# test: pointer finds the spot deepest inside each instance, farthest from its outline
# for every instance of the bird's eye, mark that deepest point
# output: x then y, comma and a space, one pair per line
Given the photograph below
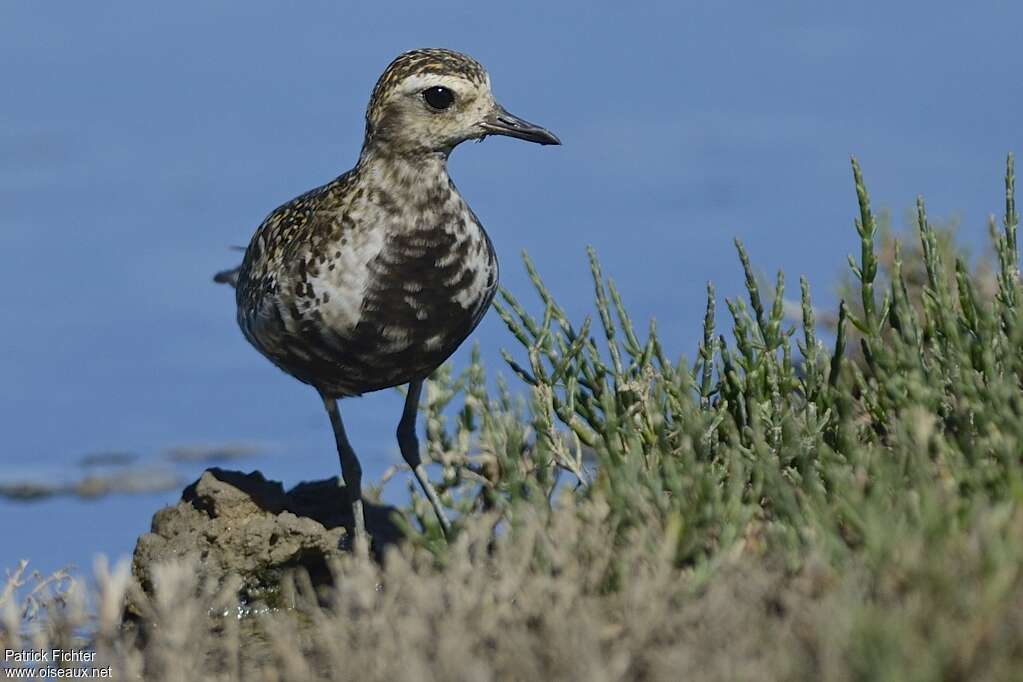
439, 97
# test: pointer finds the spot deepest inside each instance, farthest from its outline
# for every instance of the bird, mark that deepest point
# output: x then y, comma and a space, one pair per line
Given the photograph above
374, 279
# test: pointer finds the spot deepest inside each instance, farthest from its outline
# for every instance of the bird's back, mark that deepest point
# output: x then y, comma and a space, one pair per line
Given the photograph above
359, 285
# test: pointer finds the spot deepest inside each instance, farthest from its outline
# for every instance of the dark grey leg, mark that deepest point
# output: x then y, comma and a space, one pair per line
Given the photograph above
351, 472
409, 444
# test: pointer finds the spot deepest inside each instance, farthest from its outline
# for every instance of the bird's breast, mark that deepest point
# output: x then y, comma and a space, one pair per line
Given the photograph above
403, 273
375, 292
393, 302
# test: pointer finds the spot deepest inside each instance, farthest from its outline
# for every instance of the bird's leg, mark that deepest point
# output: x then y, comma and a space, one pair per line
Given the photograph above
351, 471
409, 444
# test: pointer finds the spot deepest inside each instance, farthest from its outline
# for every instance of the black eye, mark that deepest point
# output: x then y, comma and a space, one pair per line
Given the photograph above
439, 97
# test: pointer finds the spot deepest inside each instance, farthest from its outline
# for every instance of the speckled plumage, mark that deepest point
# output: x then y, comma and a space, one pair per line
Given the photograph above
373, 279
355, 286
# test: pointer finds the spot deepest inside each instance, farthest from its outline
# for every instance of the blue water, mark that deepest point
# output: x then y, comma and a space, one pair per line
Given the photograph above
137, 142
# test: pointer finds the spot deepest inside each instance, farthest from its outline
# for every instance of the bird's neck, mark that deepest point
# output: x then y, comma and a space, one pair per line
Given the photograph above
381, 166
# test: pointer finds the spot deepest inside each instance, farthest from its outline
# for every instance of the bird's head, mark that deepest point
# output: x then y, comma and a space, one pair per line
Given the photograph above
429, 100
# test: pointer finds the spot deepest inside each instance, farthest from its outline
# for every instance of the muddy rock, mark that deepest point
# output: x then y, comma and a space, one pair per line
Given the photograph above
233, 523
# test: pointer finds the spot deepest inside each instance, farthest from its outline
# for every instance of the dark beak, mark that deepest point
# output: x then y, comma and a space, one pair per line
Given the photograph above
500, 122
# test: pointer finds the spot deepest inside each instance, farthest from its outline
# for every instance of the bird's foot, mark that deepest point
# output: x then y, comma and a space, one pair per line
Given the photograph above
431, 494
360, 538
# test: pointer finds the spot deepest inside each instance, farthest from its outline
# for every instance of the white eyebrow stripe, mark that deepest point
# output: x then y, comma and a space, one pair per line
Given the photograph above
421, 81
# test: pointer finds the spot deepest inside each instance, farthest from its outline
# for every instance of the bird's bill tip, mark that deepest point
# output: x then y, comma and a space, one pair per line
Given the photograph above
500, 122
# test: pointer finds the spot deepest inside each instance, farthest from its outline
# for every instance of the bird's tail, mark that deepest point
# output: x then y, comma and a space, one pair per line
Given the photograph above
228, 276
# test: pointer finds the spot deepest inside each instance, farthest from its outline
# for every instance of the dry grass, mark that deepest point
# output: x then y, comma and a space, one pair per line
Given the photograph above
536, 604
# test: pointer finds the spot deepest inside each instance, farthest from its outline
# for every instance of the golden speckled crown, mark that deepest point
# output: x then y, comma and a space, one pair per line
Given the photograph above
422, 61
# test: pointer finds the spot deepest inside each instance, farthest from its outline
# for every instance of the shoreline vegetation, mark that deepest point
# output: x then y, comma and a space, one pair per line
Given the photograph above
773, 507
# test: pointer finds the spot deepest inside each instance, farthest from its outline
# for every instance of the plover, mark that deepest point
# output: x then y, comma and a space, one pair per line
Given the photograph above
375, 278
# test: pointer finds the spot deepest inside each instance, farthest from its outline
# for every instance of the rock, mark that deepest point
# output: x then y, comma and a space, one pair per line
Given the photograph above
236, 523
